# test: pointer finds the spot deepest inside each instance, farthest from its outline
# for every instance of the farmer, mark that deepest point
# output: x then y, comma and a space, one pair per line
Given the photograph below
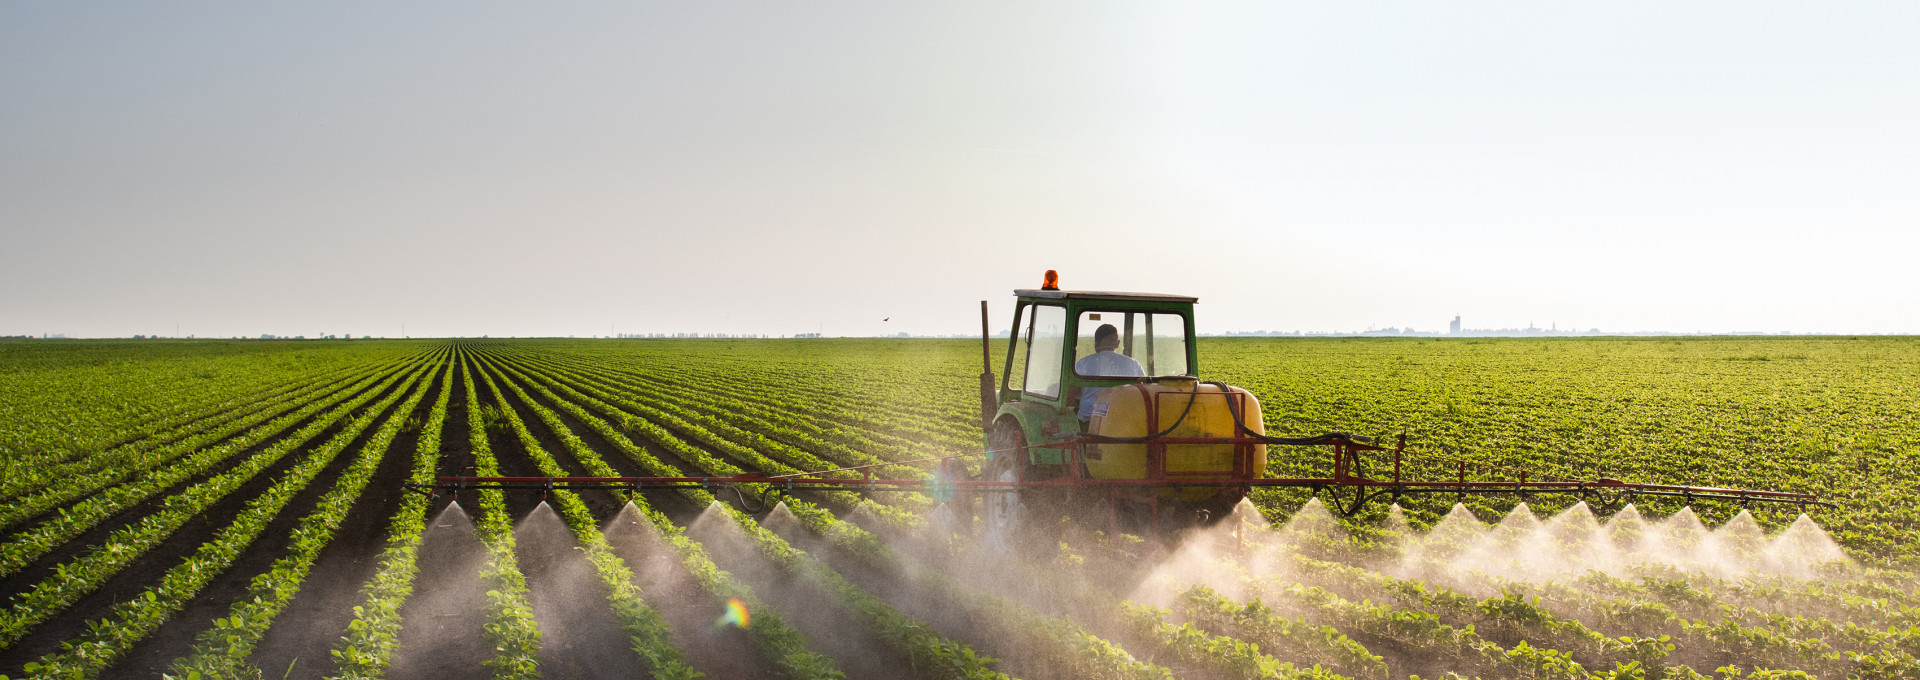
1104, 361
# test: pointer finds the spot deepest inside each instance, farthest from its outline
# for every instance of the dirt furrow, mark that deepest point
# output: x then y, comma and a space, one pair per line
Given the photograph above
579, 635
442, 632
304, 633
176, 639
690, 611
46, 564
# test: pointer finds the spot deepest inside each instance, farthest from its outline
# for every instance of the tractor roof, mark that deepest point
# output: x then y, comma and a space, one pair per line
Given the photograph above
1103, 295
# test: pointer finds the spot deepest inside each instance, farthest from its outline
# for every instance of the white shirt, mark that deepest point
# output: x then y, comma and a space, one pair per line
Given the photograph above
1108, 363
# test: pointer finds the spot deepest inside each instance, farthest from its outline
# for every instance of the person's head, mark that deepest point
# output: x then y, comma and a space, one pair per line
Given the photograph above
1106, 338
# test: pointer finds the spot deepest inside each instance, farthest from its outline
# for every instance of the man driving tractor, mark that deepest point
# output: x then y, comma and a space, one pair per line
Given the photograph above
1104, 361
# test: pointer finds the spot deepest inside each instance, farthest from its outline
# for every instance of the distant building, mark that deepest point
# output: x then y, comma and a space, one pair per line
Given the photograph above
1454, 328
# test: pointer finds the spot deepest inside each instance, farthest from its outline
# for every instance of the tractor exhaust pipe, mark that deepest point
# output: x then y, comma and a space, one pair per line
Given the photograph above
988, 400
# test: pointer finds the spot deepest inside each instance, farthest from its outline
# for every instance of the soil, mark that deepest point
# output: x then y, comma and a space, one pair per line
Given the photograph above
176, 638
253, 422
443, 623
666, 585
831, 628
148, 568
304, 634
953, 621
580, 636
689, 610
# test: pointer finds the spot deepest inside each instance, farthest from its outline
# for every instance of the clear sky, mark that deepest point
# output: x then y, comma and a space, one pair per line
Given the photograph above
555, 169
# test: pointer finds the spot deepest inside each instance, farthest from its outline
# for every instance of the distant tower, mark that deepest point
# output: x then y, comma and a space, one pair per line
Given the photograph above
1454, 328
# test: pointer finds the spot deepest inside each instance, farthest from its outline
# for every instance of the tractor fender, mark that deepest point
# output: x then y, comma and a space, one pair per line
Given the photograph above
1029, 416
1032, 419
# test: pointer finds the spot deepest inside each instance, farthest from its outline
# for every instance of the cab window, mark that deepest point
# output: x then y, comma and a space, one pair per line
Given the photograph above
1046, 340
1155, 342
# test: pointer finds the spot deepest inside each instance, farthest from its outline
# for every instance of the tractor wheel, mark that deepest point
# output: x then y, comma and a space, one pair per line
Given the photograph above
1003, 515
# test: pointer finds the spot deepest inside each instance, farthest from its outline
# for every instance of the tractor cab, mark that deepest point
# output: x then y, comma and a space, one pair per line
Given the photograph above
1057, 364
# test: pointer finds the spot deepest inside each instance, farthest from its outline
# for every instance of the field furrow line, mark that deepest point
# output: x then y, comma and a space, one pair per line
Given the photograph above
644, 626
634, 415
224, 650
368, 643
780, 643
133, 620
167, 434
80, 482
750, 420
23, 547
510, 627
745, 444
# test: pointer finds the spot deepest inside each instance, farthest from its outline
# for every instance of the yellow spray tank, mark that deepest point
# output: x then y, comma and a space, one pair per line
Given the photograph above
1125, 412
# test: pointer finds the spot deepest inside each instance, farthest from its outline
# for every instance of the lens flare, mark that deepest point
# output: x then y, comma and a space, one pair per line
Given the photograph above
736, 615
941, 487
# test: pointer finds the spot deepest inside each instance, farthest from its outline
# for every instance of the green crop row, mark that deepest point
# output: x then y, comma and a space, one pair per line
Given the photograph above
132, 620
1233, 657
745, 381
63, 402
1298, 639
63, 473
107, 469
741, 444
371, 638
720, 416
23, 547
643, 625
767, 394
776, 641
1760, 636
931, 654
845, 446
510, 627
83, 574
222, 651
637, 416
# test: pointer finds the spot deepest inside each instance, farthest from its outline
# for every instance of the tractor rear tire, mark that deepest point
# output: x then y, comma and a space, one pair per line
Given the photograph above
1003, 515
1010, 519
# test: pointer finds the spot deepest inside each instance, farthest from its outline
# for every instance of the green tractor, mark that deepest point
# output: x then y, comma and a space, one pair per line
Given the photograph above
1099, 410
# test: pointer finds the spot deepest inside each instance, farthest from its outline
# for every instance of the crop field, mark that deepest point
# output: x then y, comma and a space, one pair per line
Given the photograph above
203, 509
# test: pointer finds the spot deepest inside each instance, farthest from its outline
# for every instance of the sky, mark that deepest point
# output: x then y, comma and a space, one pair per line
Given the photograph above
515, 169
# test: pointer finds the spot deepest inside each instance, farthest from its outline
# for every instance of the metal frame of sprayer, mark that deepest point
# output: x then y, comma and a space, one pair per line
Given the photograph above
1348, 491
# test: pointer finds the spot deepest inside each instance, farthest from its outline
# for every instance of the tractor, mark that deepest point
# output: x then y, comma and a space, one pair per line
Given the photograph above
1101, 386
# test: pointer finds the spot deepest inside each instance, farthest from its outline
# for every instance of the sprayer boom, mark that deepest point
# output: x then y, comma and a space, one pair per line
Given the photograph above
1347, 491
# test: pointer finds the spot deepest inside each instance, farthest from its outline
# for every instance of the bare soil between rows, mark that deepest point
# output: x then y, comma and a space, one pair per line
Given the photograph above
147, 569
177, 638
304, 634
